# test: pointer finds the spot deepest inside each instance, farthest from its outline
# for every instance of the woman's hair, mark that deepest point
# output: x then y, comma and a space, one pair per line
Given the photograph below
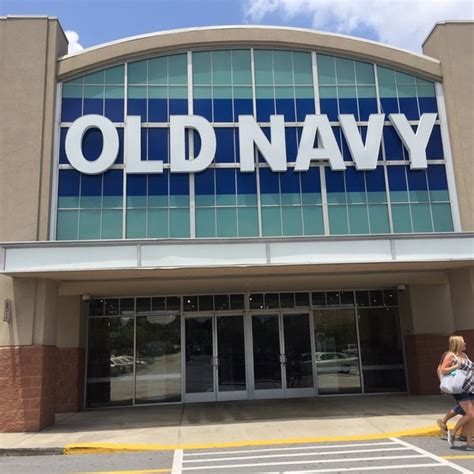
455, 343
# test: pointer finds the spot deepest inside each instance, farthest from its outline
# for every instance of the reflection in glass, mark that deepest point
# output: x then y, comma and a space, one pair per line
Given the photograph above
158, 361
381, 350
231, 353
199, 370
337, 356
110, 362
299, 371
266, 352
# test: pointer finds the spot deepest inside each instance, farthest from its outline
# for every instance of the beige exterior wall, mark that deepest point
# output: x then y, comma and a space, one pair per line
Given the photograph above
453, 44
461, 284
70, 322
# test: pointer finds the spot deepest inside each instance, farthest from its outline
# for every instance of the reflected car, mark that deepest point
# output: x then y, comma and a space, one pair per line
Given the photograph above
336, 362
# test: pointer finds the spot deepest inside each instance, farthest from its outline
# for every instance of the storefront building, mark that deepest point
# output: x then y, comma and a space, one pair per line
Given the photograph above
230, 213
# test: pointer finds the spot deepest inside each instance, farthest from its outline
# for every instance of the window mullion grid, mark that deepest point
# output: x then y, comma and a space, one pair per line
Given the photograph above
124, 176
192, 196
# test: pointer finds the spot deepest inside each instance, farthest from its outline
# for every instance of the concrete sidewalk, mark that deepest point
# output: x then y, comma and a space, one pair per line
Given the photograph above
238, 423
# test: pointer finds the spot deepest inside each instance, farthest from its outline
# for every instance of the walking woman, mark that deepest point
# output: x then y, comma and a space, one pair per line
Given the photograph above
454, 359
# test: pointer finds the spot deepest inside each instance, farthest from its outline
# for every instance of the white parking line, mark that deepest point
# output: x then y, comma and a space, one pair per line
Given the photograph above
371, 468
177, 461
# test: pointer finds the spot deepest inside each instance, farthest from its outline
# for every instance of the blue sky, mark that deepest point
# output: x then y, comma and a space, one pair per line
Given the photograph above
99, 21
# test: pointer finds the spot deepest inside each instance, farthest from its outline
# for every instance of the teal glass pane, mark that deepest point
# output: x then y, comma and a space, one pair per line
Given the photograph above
292, 220
378, 215
241, 69
248, 221
112, 201
227, 222
114, 92
202, 68
386, 77
291, 198
271, 221
94, 92
336, 198
136, 201
440, 195
311, 198
157, 92
158, 71
313, 220
356, 197
338, 220
67, 225
91, 202
264, 92
284, 92
282, 69
379, 196
67, 202
270, 199
137, 72
399, 196
421, 217
246, 199
205, 200
178, 92
179, 201
221, 67
422, 82
328, 92
302, 68
403, 78
242, 92
114, 75
326, 69
112, 224
347, 92
442, 218
345, 71
302, 92
158, 201
358, 219
206, 222
407, 91
202, 92
178, 69
89, 225
364, 73
179, 223
419, 196
137, 92
388, 91
72, 91
226, 200
94, 78
158, 223
222, 92
426, 91
263, 67
366, 92
401, 218
77, 81
136, 223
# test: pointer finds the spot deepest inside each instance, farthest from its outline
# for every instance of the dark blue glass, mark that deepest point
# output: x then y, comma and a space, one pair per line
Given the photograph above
246, 183
92, 144
158, 142
136, 184
290, 181
375, 180
393, 144
158, 184
62, 146
437, 178
304, 107
334, 181
91, 185
367, 106
71, 109
68, 183
329, 107
434, 149
348, 106
113, 183
268, 181
143, 143
397, 178
178, 106
137, 107
242, 107
354, 180
291, 144
286, 107
417, 180
225, 181
205, 182
179, 184
203, 107
427, 105
120, 153
94, 106
223, 110
265, 108
197, 144
311, 181
114, 109
389, 105
157, 110
225, 145
409, 107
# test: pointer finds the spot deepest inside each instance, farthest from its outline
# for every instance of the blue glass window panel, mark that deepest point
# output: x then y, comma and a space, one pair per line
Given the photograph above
223, 110
92, 144
286, 107
89, 224
397, 178
246, 183
67, 225
291, 144
179, 223
292, 220
375, 180
401, 218
367, 106
358, 219
342, 143
93, 106
120, 153
178, 106
114, 109
437, 177
71, 109
203, 107
304, 107
268, 181
137, 107
113, 183
248, 221
417, 180
91, 185
158, 184
393, 145
158, 142
427, 105
354, 180
442, 219
338, 220
157, 110
136, 185
242, 107
62, 146
225, 145
265, 108
421, 217
225, 181
290, 187
334, 181
348, 106
409, 107
179, 184
313, 220
197, 144
271, 221
434, 149
204, 182
389, 105
69, 181
329, 107
310, 181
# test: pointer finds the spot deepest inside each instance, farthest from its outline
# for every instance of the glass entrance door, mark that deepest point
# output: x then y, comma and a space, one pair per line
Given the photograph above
215, 358
282, 362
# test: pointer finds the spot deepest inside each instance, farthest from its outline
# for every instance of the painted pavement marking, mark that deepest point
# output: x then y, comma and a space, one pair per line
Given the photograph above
177, 461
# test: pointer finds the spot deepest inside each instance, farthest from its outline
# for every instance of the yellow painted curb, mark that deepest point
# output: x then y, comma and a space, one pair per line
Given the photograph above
107, 448
459, 456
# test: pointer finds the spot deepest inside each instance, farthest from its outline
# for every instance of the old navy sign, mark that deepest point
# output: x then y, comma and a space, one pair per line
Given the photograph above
317, 143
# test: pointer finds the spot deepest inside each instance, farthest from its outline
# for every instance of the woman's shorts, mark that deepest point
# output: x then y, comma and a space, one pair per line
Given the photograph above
462, 397
458, 410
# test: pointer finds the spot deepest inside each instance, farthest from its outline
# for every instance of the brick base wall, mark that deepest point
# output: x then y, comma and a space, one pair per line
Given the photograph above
423, 353
70, 380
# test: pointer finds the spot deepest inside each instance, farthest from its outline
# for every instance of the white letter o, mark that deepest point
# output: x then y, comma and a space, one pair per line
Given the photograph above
110, 146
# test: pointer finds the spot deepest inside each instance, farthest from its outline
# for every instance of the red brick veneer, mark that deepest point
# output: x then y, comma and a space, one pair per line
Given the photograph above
70, 380
423, 352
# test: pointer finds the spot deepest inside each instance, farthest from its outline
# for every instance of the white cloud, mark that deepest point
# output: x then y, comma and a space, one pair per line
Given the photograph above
73, 38
402, 23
